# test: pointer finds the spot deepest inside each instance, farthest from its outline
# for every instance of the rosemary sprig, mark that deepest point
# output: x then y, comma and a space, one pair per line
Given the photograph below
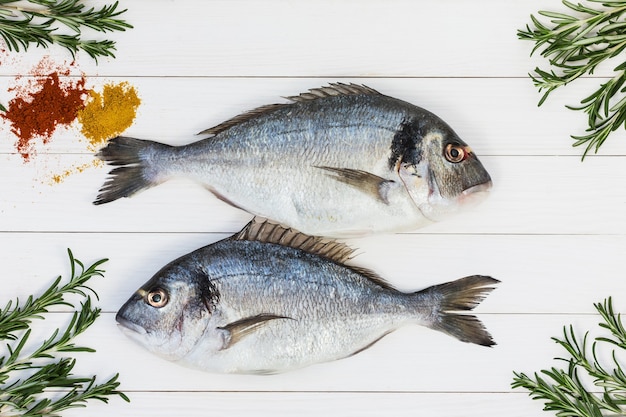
575, 45
586, 387
26, 379
22, 26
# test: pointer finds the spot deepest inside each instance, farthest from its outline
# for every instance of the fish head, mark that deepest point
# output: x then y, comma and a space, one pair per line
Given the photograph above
442, 174
169, 314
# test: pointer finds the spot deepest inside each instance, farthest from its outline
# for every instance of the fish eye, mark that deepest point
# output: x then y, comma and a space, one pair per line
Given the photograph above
157, 298
455, 153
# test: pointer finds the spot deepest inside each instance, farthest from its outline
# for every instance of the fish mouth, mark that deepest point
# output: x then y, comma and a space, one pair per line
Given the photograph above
475, 194
129, 327
479, 188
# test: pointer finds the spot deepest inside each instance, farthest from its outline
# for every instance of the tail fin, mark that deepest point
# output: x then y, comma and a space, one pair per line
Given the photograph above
461, 295
135, 171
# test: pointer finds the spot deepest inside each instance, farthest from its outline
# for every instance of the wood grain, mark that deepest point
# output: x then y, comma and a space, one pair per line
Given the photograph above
552, 231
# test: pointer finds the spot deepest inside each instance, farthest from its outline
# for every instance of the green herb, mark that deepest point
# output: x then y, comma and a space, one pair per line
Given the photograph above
26, 378
21, 26
586, 387
575, 45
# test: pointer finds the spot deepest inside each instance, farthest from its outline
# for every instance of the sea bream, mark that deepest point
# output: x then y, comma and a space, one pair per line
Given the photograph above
270, 300
336, 161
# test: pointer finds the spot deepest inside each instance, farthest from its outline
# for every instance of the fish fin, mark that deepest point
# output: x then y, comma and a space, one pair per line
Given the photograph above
365, 181
131, 174
263, 230
224, 198
373, 276
461, 295
239, 329
370, 344
242, 118
332, 90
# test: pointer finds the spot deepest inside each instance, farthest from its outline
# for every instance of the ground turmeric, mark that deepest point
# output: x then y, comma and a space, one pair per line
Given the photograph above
109, 113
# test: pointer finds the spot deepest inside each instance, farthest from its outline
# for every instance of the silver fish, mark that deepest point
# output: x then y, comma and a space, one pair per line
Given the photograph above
269, 300
338, 161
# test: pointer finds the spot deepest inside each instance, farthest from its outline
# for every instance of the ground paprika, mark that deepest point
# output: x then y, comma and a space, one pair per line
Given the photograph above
44, 104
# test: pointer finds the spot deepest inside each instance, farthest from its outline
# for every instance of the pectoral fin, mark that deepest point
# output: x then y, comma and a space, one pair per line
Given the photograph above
239, 329
365, 181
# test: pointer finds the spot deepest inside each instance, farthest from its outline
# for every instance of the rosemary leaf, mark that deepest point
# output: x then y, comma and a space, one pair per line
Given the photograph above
574, 45
21, 27
585, 387
26, 378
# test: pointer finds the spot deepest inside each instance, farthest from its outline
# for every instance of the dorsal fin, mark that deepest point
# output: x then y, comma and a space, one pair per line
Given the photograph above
332, 90
373, 276
262, 230
268, 108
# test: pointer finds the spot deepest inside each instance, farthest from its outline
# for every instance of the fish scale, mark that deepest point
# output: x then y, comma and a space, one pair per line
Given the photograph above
339, 161
271, 299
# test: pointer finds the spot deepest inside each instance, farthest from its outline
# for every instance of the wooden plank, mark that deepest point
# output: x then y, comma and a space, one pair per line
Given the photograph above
552, 231
496, 116
279, 38
264, 404
540, 274
412, 359
537, 195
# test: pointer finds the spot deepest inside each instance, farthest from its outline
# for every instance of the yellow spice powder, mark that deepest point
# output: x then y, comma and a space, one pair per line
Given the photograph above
109, 113
59, 178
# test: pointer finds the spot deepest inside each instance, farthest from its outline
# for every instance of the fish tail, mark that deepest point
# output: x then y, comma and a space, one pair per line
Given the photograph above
135, 168
453, 297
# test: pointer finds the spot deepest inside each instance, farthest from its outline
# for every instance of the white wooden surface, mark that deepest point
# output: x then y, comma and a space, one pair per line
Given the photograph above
552, 231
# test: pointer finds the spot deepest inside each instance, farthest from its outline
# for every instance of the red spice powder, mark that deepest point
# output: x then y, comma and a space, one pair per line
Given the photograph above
42, 106
5, 56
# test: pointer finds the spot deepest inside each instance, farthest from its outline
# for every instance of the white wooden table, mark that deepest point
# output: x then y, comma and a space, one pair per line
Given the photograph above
552, 231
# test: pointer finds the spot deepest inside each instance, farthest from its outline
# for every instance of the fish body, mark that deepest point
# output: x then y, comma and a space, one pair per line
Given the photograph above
337, 161
250, 304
